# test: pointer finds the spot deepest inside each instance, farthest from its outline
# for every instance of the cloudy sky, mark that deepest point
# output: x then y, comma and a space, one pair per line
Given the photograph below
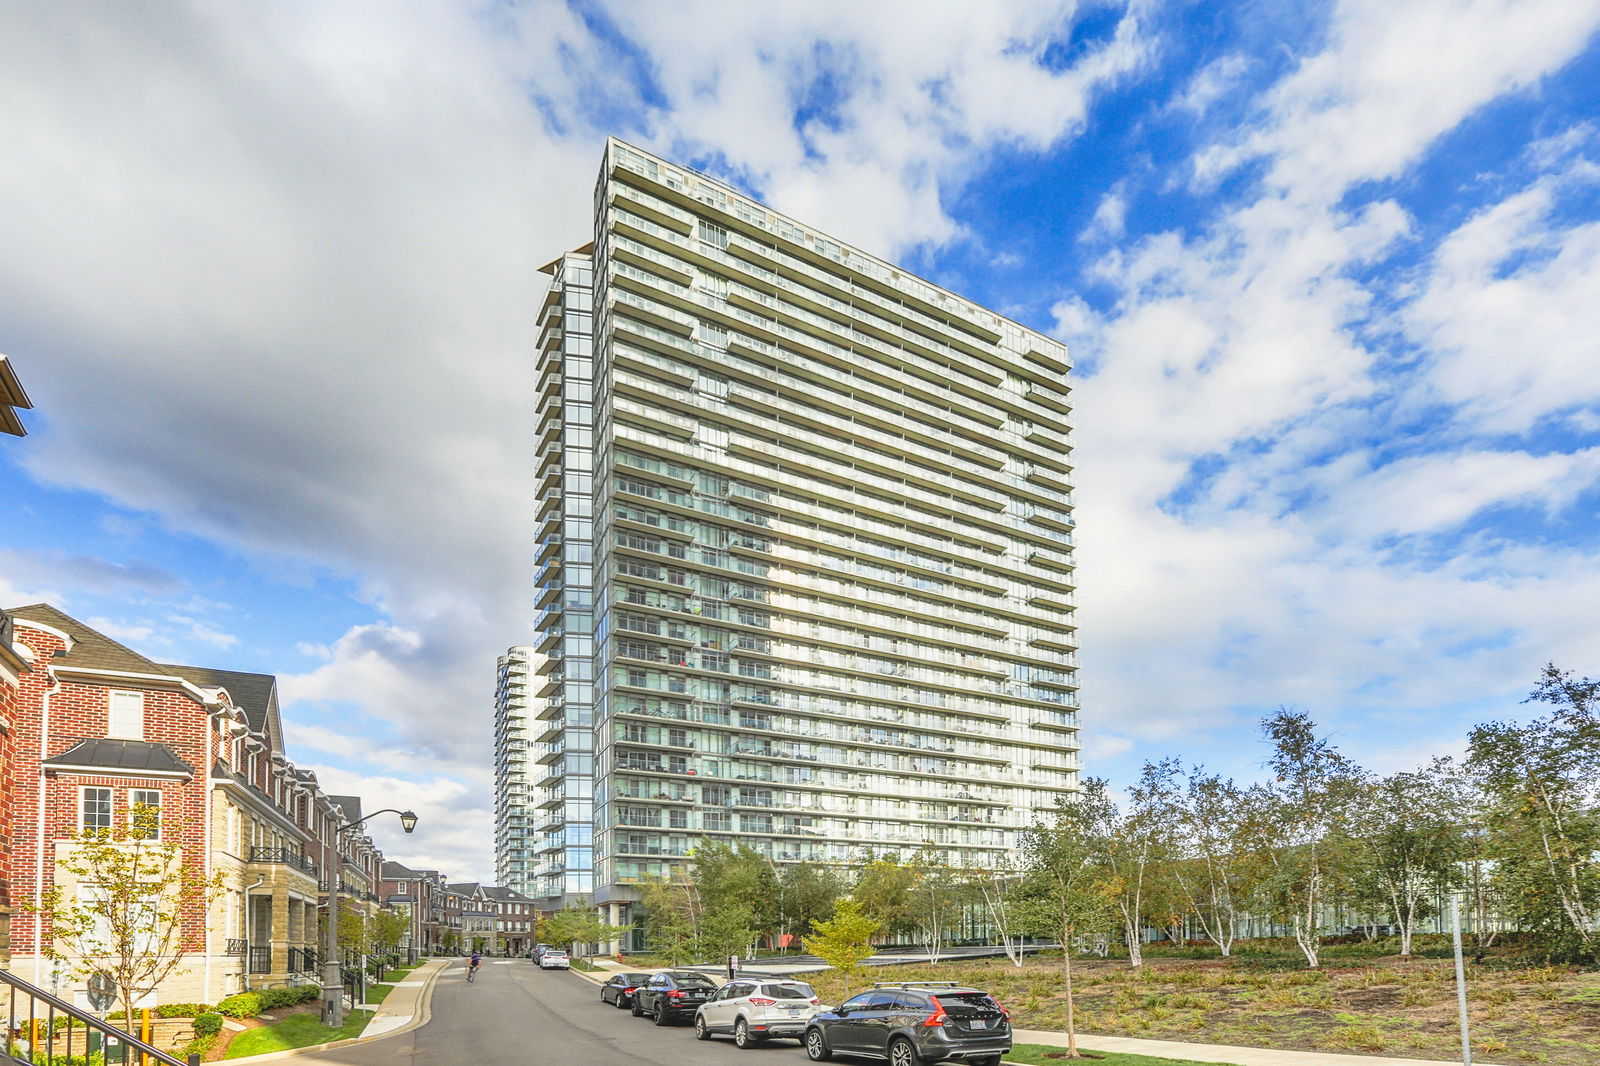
1330, 273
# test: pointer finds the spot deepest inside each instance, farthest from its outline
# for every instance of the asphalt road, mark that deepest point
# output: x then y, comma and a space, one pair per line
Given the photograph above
515, 1014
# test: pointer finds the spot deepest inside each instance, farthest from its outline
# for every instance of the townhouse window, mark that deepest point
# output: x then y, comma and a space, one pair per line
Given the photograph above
95, 812
144, 813
126, 718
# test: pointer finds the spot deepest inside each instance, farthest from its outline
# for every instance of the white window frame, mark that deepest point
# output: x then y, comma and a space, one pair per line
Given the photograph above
137, 796
125, 722
83, 809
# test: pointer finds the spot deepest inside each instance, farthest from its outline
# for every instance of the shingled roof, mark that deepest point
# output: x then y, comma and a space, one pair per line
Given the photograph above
91, 649
254, 694
121, 755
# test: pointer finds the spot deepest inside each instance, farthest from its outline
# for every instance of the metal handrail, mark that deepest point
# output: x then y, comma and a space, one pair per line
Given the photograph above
41, 1025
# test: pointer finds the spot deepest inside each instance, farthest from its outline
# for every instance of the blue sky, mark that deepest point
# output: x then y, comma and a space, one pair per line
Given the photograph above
1330, 274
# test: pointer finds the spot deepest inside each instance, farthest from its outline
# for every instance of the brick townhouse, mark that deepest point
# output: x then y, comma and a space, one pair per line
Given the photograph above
420, 895
97, 728
12, 667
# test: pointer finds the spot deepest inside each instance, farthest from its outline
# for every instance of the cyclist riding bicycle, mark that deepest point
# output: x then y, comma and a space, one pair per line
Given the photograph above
473, 964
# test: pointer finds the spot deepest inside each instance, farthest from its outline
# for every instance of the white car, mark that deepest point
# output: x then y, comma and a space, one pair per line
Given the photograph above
554, 959
752, 1010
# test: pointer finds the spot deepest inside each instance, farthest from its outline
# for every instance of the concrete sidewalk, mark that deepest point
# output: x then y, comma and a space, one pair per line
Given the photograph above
402, 1010
1221, 1053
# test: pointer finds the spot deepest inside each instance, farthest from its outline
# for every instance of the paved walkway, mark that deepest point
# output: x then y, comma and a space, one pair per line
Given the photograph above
1221, 1053
403, 1009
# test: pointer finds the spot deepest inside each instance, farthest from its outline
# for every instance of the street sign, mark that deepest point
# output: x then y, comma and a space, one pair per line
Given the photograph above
102, 993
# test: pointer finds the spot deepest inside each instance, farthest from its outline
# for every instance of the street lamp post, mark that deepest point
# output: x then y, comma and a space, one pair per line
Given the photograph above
333, 866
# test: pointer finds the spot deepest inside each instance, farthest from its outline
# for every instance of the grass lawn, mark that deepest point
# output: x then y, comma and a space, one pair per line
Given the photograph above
297, 1030
398, 974
1372, 1004
1045, 1055
376, 993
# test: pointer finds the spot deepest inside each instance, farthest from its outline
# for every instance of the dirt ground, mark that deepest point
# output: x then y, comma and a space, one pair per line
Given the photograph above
1381, 1006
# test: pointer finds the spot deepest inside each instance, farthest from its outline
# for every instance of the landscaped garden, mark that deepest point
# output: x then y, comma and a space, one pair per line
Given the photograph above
1379, 1005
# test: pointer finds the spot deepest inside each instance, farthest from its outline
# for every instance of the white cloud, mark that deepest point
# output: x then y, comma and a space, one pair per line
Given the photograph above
1394, 76
1234, 520
912, 98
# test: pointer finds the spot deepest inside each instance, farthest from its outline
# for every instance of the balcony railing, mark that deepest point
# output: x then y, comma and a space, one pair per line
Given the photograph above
287, 856
261, 959
59, 1032
235, 947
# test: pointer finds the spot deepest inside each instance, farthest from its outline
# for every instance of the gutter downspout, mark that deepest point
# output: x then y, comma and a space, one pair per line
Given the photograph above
244, 977
38, 848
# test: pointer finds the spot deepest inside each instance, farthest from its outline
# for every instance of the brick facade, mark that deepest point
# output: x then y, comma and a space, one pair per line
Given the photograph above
79, 711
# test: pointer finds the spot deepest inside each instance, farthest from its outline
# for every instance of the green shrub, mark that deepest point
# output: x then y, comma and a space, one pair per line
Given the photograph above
199, 1045
241, 1005
207, 1024
182, 1010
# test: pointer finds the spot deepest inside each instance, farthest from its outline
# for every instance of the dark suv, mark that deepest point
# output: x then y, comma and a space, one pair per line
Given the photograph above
671, 995
912, 1023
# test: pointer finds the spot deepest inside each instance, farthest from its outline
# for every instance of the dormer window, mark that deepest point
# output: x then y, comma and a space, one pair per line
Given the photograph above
126, 718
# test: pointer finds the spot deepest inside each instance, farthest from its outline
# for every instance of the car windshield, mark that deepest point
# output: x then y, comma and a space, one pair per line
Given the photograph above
796, 991
634, 978
693, 980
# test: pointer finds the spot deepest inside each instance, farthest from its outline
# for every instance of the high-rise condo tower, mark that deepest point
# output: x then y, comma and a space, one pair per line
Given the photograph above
805, 551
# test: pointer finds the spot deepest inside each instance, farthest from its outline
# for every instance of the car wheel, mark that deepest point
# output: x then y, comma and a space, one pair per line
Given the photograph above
816, 1046
742, 1038
638, 1011
619, 1004
700, 1030
903, 1053
660, 1015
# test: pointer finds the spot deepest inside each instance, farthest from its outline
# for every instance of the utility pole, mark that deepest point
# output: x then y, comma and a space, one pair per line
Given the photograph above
1461, 978
333, 967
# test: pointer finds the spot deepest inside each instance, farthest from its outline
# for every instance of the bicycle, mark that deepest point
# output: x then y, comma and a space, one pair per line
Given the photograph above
472, 972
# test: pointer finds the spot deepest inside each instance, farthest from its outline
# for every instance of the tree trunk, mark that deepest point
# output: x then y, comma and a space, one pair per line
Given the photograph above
1066, 974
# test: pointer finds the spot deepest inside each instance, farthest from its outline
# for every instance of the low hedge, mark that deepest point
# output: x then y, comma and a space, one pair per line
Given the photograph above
241, 1005
207, 1024
288, 997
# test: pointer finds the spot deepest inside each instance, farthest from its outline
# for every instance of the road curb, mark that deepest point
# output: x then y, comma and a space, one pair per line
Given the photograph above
423, 1015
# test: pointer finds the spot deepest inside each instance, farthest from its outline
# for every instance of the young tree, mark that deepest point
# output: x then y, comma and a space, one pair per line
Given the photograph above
135, 909
1133, 847
806, 892
1064, 892
934, 901
387, 928
672, 919
1543, 783
739, 880
577, 923
1207, 867
845, 940
1301, 825
1410, 841
883, 889
995, 888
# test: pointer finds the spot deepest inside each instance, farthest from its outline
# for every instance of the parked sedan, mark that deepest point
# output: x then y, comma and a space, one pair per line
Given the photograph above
619, 990
674, 994
753, 1010
554, 959
914, 1023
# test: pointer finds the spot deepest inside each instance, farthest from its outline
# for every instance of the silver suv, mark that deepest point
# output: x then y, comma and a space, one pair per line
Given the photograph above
753, 1009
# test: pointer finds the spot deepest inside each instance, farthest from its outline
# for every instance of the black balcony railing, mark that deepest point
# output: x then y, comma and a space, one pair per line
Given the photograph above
59, 1032
261, 959
235, 947
287, 856
303, 960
